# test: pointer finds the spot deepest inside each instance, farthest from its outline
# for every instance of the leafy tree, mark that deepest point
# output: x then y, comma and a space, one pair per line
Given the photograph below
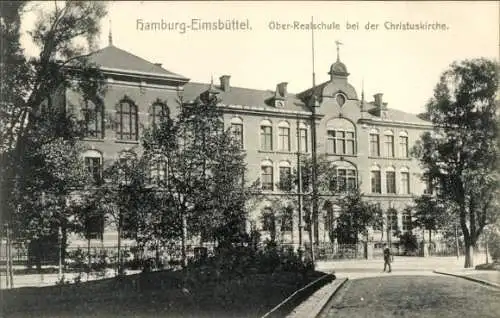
36, 132
203, 192
460, 155
326, 185
409, 242
430, 214
355, 218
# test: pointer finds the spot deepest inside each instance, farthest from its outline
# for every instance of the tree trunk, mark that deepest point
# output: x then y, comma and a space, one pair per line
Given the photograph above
89, 263
430, 241
183, 240
469, 254
120, 270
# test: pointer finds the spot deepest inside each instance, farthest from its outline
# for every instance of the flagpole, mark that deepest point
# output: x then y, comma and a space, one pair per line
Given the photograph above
314, 218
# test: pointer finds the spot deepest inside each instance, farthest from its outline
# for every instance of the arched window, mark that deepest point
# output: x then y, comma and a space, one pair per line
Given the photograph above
160, 113
237, 130
127, 120
375, 179
389, 143
284, 136
345, 179
267, 175
266, 135
390, 180
403, 144
341, 137
93, 165
374, 143
285, 176
405, 180
93, 114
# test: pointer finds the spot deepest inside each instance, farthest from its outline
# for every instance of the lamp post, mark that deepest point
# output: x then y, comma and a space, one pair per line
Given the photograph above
299, 190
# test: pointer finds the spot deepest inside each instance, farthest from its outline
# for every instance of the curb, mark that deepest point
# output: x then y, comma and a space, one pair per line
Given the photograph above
298, 293
323, 307
476, 280
320, 303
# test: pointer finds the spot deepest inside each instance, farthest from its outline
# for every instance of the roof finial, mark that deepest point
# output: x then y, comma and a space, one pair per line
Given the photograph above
110, 36
362, 95
338, 43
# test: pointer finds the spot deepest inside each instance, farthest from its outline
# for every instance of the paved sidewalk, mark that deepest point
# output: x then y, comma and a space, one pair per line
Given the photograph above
403, 266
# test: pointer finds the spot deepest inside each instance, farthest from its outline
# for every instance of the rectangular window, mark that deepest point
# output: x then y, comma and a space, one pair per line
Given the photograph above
93, 166
284, 138
374, 145
379, 222
268, 221
375, 180
285, 179
94, 226
237, 131
403, 146
349, 136
405, 183
344, 181
352, 183
303, 140
331, 146
267, 178
287, 220
406, 222
266, 138
389, 146
390, 179
392, 221
340, 141
341, 180
157, 171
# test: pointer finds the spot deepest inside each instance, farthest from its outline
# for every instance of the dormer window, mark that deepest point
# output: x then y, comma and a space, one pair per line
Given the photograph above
278, 103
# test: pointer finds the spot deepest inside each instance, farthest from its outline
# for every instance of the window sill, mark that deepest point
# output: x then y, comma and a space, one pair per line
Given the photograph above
93, 139
390, 158
282, 152
340, 155
120, 141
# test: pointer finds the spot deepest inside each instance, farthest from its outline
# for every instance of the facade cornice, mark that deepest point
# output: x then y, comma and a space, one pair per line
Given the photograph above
384, 123
254, 110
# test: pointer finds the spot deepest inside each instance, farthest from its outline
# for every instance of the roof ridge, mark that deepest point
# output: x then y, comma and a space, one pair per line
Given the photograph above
140, 58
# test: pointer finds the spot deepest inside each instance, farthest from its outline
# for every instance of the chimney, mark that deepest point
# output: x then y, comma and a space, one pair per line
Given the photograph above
224, 82
281, 89
378, 99
158, 64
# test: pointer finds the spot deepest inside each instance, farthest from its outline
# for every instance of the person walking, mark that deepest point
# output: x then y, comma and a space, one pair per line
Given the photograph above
388, 258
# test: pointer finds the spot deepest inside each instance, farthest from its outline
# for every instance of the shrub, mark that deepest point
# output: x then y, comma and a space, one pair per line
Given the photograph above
494, 246
409, 242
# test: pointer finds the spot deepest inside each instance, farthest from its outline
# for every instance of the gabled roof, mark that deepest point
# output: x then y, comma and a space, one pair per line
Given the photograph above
394, 115
115, 59
245, 97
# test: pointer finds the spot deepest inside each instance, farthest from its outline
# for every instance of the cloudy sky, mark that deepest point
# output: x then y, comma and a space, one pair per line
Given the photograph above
404, 65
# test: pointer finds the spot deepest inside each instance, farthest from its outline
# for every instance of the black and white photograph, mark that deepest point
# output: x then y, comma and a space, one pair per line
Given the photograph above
298, 159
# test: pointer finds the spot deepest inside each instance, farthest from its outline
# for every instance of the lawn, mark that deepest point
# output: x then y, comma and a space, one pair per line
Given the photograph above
159, 294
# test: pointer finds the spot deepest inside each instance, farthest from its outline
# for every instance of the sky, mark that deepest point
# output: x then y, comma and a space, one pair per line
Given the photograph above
404, 65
